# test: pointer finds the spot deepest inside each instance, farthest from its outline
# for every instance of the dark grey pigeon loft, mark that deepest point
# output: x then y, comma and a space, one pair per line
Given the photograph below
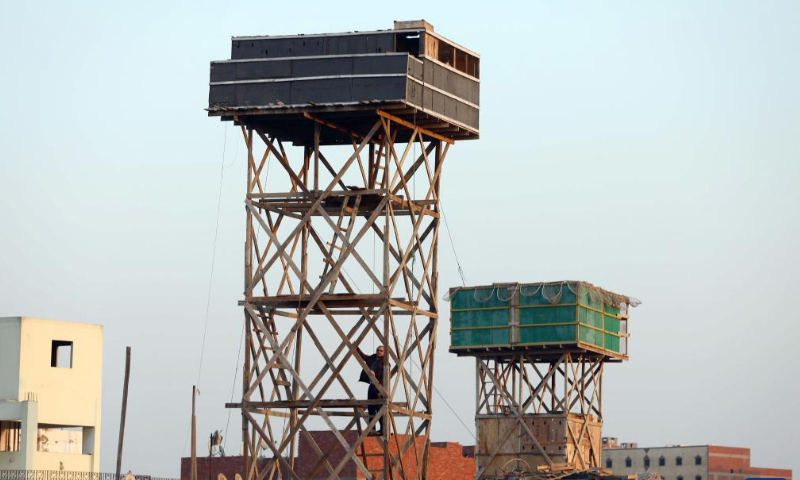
410, 72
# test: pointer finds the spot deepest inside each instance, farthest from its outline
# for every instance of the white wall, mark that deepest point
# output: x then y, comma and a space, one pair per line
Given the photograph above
670, 471
66, 396
63, 396
9, 358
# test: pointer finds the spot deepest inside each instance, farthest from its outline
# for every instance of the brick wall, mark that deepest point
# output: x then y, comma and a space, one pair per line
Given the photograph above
447, 460
732, 463
210, 468
721, 459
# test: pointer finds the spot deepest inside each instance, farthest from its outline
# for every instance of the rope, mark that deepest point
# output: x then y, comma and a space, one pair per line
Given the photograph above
213, 259
233, 386
452, 410
453, 246
211, 274
454, 413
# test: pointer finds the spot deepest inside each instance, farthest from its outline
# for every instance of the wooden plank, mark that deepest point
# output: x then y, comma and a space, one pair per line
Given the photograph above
410, 125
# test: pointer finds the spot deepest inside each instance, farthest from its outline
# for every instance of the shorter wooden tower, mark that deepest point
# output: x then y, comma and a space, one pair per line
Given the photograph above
539, 350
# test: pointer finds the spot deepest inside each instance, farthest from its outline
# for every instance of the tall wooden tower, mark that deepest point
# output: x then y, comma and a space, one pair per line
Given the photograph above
346, 138
540, 351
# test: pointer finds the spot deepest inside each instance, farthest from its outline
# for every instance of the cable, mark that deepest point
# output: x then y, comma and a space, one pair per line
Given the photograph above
453, 246
213, 258
452, 410
454, 413
211, 274
235, 152
233, 387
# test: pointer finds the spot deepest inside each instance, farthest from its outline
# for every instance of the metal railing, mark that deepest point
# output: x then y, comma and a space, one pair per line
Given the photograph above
67, 475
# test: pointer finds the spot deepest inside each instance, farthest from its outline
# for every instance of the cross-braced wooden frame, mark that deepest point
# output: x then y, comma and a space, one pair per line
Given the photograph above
514, 391
342, 251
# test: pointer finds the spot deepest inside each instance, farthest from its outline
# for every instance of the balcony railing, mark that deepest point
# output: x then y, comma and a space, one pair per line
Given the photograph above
67, 475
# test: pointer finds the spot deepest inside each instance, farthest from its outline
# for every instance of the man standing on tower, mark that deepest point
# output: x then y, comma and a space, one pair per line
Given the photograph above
375, 364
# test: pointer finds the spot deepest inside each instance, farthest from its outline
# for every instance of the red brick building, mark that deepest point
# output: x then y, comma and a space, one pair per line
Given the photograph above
447, 461
451, 461
733, 463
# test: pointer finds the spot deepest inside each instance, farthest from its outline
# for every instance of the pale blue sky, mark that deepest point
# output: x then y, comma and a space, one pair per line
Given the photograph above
652, 148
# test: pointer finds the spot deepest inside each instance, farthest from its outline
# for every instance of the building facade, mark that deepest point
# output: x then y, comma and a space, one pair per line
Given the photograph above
50, 394
447, 461
682, 462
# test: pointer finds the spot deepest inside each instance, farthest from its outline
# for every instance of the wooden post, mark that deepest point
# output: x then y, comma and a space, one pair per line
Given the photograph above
194, 434
124, 409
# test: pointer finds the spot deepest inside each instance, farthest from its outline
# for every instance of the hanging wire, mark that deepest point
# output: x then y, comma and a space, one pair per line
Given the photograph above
211, 273
453, 246
213, 257
452, 410
233, 386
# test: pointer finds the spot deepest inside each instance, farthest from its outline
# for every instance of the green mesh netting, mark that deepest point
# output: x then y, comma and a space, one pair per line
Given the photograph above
567, 312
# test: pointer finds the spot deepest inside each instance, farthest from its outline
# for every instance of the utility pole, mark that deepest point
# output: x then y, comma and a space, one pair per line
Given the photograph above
124, 409
194, 434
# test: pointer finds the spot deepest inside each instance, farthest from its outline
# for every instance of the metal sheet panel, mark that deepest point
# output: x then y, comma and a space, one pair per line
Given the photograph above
306, 45
377, 64
378, 88
334, 90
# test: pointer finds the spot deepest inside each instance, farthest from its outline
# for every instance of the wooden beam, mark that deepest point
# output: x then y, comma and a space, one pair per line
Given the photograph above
410, 125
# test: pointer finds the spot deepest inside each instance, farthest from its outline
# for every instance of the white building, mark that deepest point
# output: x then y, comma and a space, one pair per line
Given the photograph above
685, 462
50, 394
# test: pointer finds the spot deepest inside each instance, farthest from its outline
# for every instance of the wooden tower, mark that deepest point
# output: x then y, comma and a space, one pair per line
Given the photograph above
346, 138
540, 351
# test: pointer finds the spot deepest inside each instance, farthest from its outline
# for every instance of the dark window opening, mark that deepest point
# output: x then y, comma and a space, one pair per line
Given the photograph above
408, 42
61, 354
10, 436
447, 54
698, 460
680, 477
662, 461
628, 462
646, 462
609, 463
679, 461
698, 477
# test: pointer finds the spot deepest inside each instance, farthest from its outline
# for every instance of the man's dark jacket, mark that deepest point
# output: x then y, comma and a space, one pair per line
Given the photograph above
375, 363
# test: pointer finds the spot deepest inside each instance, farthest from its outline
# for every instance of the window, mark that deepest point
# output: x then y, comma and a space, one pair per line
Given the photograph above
679, 462
10, 436
628, 462
662, 461
698, 460
408, 42
61, 354
680, 477
646, 462
698, 477
609, 463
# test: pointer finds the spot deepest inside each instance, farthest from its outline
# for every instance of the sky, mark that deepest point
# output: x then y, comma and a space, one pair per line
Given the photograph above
647, 147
